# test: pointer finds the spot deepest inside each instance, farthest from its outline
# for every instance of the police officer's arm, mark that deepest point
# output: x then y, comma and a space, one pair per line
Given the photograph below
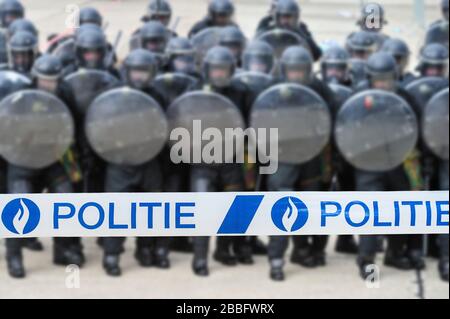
315, 49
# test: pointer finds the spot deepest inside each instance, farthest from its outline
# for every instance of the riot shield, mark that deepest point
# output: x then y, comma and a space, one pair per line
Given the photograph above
173, 85
201, 114
87, 85
135, 41
205, 40
281, 39
257, 82
36, 129
126, 127
65, 51
376, 130
11, 82
302, 118
341, 93
3, 50
435, 125
438, 33
423, 89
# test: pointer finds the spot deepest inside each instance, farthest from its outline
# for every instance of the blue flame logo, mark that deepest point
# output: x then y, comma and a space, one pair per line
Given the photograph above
290, 214
21, 216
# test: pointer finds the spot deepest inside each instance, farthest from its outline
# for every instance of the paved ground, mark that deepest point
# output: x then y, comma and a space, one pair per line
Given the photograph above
338, 280
328, 19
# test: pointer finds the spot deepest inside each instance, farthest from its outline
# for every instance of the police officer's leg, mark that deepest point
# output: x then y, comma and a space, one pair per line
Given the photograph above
19, 181
117, 179
397, 253
283, 180
202, 180
309, 251
444, 239
232, 180
152, 181
64, 250
368, 182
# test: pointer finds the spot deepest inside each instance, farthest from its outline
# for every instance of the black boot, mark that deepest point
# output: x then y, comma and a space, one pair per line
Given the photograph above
443, 269
244, 254
225, 257
15, 267
276, 270
346, 244
144, 256
111, 265
258, 247
397, 260
416, 259
320, 258
33, 244
303, 257
363, 265
65, 257
181, 245
162, 258
200, 267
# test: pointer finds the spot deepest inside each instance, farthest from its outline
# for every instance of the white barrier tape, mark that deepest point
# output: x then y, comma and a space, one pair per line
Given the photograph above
223, 214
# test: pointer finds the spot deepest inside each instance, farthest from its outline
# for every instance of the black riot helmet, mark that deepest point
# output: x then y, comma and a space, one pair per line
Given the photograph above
233, 38
88, 27
47, 71
361, 45
372, 17
141, 67
297, 65
181, 55
90, 15
10, 10
154, 37
335, 65
286, 14
382, 71
434, 60
22, 25
221, 12
219, 65
23, 50
445, 9
159, 10
258, 57
399, 49
91, 47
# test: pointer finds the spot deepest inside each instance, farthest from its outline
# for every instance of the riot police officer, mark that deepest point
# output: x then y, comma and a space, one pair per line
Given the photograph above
309, 251
286, 15
433, 61
220, 14
54, 178
10, 10
22, 25
373, 19
154, 36
400, 51
382, 73
218, 68
158, 10
140, 68
335, 66
47, 76
23, 51
438, 31
180, 54
360, 46
258, 57
232, 38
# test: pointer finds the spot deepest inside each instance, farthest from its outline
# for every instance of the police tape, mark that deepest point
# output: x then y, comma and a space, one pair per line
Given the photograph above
223, 214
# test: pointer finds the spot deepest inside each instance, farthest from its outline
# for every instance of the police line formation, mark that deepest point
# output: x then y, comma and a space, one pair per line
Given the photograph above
70, 121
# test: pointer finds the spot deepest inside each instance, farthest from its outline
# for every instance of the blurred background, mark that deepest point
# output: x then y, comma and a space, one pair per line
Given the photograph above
330, 21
